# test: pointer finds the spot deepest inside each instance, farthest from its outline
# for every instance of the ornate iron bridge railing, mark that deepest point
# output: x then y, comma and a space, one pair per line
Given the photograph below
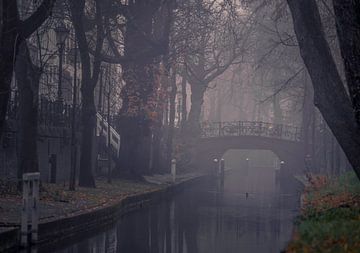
250, 128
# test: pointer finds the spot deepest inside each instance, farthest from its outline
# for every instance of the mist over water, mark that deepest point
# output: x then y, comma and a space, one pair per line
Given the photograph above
101, 98
251, 211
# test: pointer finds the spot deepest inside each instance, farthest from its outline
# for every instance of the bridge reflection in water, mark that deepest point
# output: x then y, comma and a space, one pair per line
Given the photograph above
207, 219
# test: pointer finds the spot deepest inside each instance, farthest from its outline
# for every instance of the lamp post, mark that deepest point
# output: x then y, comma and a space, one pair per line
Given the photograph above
61, 33
108, 123
73, 127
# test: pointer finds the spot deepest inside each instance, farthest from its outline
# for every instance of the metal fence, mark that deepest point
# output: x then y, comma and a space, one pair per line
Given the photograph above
50, 113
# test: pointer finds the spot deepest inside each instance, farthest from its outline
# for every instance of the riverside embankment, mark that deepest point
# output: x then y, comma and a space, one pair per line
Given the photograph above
330, 216
65, 214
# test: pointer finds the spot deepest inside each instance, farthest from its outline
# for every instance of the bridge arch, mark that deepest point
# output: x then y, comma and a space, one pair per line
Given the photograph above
240, 159
217, 138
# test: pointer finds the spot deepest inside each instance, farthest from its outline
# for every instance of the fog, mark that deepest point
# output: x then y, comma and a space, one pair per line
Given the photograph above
176, 126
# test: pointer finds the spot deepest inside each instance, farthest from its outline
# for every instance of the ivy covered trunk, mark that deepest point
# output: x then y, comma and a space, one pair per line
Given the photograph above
136, 118
146, 42
138, 107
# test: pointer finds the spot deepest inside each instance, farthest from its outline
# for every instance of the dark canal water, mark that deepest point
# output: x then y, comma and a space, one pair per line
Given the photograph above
208, 218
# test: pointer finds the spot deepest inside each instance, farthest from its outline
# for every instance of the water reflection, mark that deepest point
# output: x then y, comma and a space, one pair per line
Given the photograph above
242, 213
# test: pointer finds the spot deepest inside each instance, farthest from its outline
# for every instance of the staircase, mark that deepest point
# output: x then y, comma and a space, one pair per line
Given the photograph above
102, 130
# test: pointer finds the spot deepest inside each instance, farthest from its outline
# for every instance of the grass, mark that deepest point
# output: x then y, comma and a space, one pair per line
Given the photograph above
330, 220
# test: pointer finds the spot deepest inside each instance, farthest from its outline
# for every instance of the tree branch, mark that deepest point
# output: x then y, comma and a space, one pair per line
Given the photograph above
32, 23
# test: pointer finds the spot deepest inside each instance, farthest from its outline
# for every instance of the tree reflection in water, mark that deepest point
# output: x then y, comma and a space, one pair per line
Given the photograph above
247, 212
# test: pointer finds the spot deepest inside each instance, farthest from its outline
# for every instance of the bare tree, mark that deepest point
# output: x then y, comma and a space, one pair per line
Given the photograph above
220, 38
13, 32
330, 95
90, 74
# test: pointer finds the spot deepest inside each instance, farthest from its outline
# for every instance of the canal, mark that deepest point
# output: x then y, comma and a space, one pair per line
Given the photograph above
250, 212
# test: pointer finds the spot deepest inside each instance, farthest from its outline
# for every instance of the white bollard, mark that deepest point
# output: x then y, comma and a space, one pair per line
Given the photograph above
30, 208
35, 209
173, 170
24, 213
222, 167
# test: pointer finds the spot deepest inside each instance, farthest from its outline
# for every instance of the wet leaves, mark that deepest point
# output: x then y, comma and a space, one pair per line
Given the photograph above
8, 188
57, 201
324, 194
330, 220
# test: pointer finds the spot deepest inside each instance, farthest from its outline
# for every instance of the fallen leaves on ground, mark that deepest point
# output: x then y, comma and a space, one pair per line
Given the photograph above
57, 201
330, 220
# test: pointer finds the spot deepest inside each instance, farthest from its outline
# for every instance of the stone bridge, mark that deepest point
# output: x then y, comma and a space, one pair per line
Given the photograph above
216, 138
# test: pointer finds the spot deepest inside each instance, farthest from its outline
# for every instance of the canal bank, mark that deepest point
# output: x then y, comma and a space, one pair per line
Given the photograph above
245, 212
330, 216
75, 218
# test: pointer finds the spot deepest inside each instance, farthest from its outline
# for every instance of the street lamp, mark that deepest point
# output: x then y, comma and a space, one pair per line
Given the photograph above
61, 33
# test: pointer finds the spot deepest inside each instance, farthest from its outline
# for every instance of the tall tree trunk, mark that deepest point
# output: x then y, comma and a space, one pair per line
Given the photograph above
278, 115
197, 100
135, 122
13, 33
324, 147
337, 158
313, 140
138, 96
347, 17
88, 123
183, 102
86, 177
28, 77
329, 93
159, 130
8, 51
89, 77
307, 114
157, 149
163, 139
170, 137
212, 107
218, 106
